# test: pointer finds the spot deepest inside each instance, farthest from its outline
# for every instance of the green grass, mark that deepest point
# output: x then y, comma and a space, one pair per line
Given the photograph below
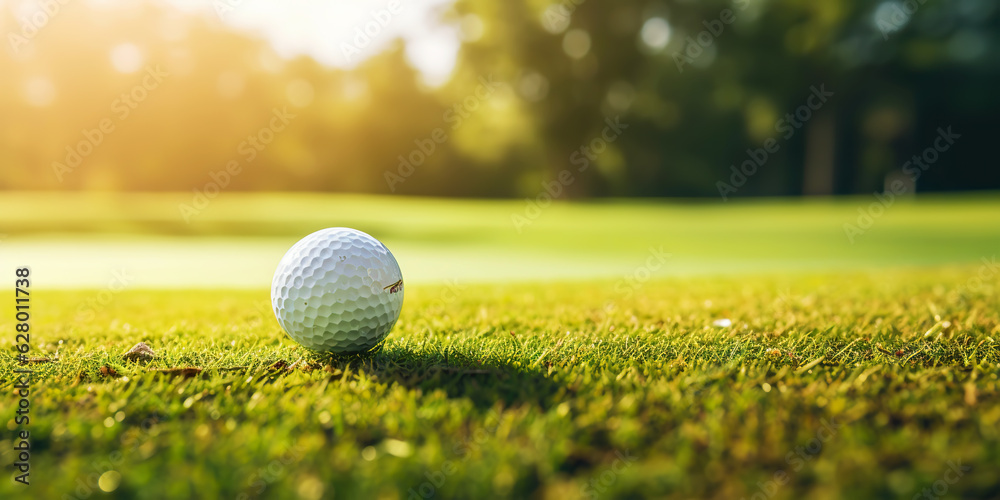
527, 391
526, 364
239, 238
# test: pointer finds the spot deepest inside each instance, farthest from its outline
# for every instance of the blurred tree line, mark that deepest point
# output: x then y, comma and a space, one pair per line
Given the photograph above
696, 89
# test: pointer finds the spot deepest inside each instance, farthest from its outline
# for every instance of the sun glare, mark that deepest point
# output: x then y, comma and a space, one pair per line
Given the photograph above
344, 33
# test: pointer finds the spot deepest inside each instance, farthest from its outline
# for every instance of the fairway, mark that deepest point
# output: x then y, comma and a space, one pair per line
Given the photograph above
742, 351
238, 239
525, 250
850, 385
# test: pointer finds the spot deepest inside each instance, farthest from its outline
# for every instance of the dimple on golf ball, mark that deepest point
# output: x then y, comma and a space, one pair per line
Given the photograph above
338, 290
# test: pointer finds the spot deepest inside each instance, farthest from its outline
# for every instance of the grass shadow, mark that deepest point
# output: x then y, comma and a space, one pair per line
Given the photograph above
459, 374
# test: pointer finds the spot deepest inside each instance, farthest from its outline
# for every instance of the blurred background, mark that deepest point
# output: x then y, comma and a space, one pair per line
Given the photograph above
216, 103
362, 96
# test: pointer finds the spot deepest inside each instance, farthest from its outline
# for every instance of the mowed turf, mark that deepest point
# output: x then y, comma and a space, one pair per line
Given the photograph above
854, 385
83, 240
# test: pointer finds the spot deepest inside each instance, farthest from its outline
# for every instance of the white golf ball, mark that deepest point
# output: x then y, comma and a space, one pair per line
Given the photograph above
337, 290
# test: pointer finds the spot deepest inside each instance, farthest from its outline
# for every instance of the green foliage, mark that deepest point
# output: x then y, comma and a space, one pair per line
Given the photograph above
896, 79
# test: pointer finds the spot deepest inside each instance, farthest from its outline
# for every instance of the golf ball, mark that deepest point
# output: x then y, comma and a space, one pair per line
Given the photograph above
337, 290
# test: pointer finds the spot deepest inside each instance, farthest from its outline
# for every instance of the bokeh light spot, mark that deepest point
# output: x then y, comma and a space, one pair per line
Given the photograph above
354, 88
620, 95
39, 91
576, 43
555, 19
533, 86
126, 57
109, 481
890, 17
310, 488
470, 28
655, 33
